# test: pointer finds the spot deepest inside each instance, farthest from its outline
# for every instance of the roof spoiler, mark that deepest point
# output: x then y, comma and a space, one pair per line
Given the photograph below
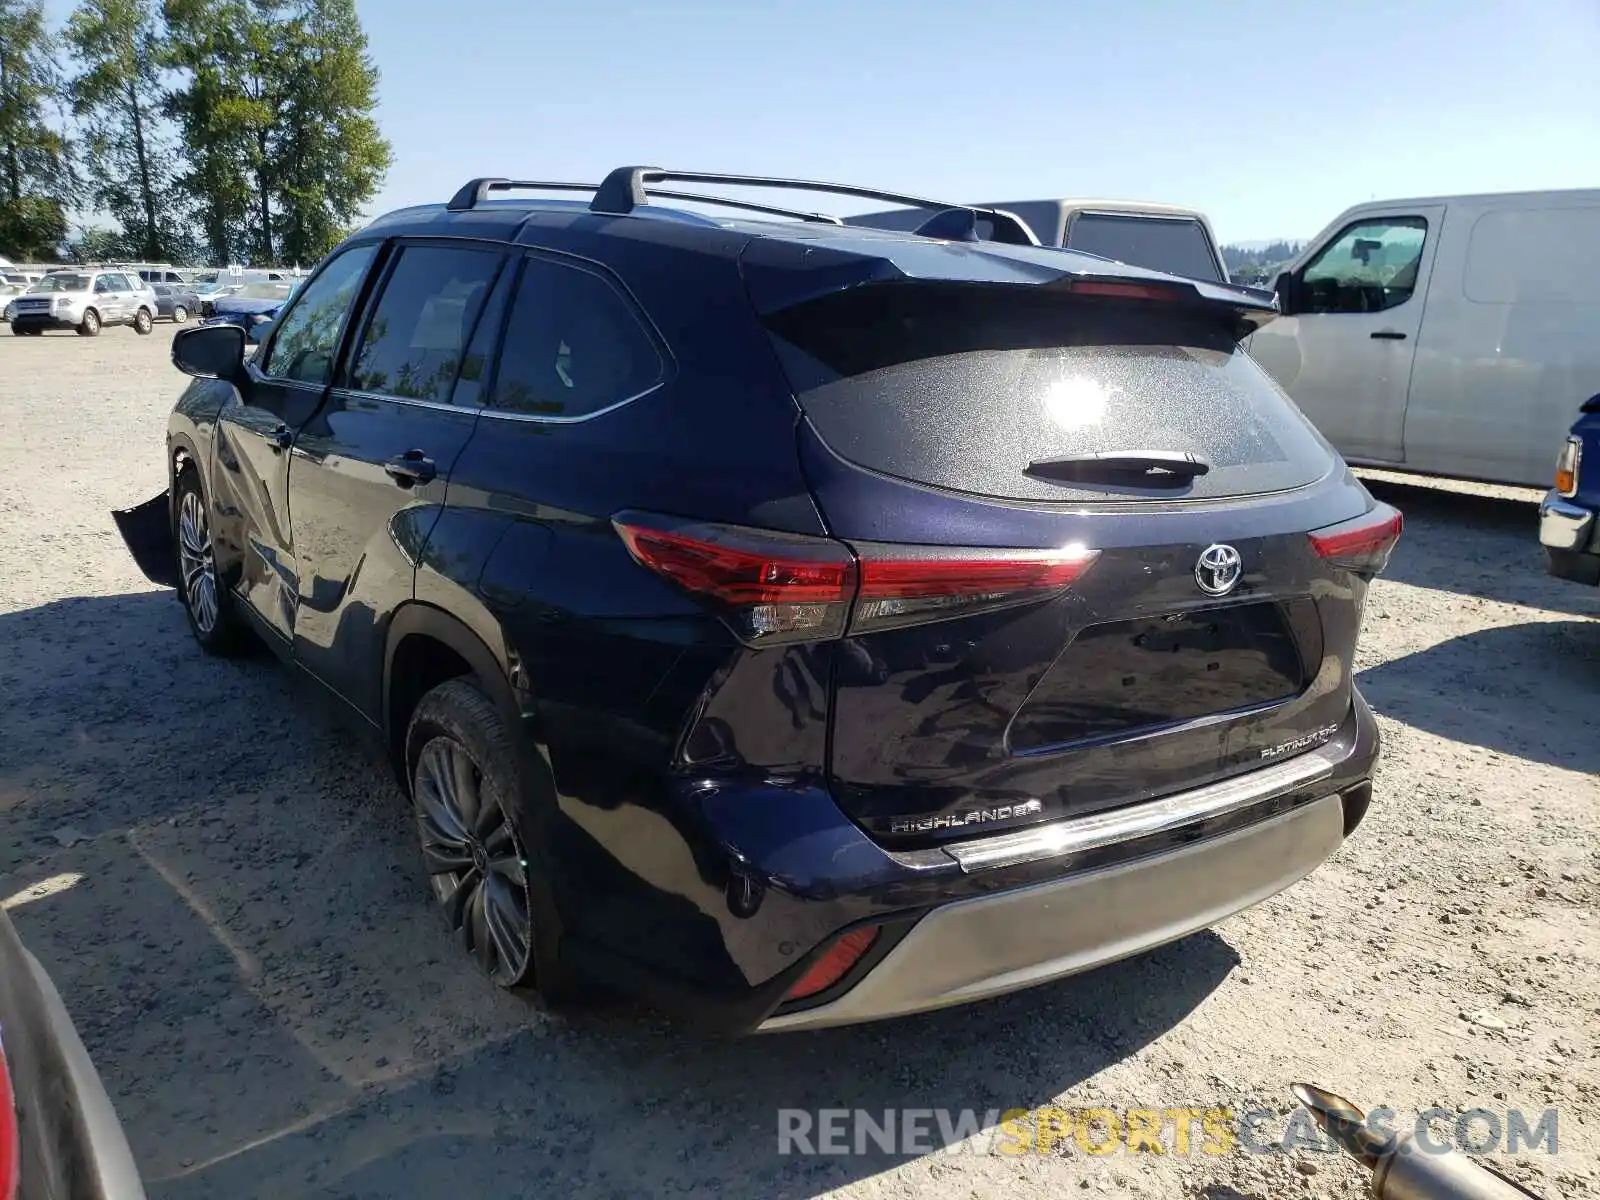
781, 276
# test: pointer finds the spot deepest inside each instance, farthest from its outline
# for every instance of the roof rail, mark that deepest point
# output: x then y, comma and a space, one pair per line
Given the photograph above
624, 189
475, 191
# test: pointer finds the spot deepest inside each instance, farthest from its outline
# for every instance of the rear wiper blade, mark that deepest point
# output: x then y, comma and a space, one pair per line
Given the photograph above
1135, 468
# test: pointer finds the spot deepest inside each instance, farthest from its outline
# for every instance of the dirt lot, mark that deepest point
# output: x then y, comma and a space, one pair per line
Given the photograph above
229, 899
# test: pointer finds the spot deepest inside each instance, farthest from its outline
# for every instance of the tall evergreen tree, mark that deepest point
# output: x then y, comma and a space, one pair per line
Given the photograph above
226, 109
36, 179
330, 156
129, 159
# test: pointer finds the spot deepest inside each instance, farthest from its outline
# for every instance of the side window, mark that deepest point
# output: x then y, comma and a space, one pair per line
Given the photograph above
306, 337
103, 284
1370, 266
413, 341
572, 346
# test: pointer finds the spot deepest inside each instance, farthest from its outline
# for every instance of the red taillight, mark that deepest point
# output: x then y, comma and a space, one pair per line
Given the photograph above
835, 962
772, 587
784, 587
900, 585
10, 1152
1363, 544
1114, 290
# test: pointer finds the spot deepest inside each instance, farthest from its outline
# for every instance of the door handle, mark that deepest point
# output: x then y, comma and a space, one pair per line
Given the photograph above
1388, 335
411, 468
281, 438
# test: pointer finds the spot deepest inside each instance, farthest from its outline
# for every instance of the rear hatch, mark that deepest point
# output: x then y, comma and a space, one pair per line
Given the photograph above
1118, 426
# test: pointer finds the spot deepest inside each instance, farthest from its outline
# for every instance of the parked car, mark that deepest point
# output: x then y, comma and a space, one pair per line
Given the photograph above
175, 302
794, 623
1163, 237
1569, 517
207, 287
84, 301
59, 1134
253, 307
1447, 336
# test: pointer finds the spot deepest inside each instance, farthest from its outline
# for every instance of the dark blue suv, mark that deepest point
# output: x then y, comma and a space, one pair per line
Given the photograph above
792, 623
1569, 518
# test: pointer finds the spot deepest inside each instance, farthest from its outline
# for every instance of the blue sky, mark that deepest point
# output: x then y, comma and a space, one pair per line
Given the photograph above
1271, 117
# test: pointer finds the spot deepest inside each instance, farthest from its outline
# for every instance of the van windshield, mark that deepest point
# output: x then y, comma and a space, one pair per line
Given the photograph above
1176, 245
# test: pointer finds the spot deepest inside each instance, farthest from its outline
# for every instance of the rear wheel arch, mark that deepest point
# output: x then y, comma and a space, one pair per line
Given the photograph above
426, 646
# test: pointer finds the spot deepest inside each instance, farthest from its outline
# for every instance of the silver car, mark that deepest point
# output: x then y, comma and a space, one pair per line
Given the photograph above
84, 301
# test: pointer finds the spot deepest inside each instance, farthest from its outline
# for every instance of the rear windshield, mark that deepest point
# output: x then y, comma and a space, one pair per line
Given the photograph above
962, 388
1178, 246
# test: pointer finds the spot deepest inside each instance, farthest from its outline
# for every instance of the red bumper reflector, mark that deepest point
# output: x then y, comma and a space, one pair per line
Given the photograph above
835, 962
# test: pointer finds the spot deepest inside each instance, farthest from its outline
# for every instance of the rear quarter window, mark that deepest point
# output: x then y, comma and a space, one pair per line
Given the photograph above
573, 346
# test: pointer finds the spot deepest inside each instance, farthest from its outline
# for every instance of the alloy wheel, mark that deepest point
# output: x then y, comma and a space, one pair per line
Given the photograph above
474, 862
196, 563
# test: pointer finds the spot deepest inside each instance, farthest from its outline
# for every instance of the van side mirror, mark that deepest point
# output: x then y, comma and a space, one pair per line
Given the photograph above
1284, 286
210, 352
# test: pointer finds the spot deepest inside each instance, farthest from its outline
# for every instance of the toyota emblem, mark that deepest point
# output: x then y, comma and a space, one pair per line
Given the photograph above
1218, 570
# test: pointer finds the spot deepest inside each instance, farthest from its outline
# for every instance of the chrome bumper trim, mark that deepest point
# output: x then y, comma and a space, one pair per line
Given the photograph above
990, 945
1564, 525
1075, 835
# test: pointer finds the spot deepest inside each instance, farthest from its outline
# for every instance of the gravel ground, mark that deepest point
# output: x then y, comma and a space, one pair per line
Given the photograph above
229, 899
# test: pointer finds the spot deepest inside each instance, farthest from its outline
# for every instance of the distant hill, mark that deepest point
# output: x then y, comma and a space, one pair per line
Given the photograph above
1259, 261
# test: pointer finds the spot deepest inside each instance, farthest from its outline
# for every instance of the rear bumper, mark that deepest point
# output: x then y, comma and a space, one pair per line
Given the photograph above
774, 877
974, 949
1568, 533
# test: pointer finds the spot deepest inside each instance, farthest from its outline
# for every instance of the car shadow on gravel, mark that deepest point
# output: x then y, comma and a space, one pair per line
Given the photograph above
1476, 545
238, 923
1529, 690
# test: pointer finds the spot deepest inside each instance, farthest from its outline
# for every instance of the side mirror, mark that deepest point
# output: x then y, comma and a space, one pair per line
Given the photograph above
1284, 286
210, 352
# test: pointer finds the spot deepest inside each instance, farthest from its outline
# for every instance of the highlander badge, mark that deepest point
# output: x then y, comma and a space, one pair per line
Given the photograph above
973, 816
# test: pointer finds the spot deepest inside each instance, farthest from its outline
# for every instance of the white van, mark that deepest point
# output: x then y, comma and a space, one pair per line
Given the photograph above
1162, 237
1454, 336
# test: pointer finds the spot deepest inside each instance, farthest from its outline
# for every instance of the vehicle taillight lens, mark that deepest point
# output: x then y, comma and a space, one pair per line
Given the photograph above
835, 963
771, 587
779, 587
1362, 545
903, 585
10, 1151
1567, 467
1117, 290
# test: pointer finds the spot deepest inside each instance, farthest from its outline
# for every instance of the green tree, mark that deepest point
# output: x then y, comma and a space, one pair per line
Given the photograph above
31, 227
329, 153
36, 179
129, 158
226, 109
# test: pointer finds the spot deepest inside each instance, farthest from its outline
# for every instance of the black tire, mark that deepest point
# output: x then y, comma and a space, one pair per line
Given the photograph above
215, 622
489, 876
90, 325
180, 314
142, 322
